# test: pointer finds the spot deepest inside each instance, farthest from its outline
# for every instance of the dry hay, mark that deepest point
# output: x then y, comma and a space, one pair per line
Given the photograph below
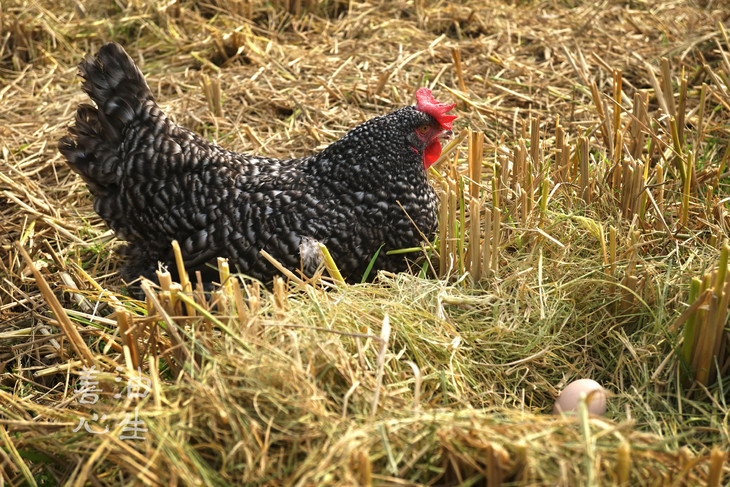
412, 380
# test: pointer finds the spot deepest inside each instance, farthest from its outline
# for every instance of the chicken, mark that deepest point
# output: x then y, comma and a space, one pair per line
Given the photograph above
154, 182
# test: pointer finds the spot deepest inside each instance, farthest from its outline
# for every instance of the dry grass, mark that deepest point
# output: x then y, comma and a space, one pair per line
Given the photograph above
569, 242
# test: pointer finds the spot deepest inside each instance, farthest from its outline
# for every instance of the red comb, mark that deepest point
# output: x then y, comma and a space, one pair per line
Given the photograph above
428, 104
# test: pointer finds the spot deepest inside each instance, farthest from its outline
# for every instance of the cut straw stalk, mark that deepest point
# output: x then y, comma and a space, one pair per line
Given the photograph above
544, 195
717, 458
461, 233
476, 153
642, 193
180, 351
602, 116
476, 141
660, 187
279, 297
524, 208
686, 188
212, 91
627, 179
617, 92
488, 242
330, 264
704, 328
562, 156
637, 189
129, 338
280, 267
456, 56
228, 284
682, 107
495, 237
585, 185
612, 249
519, 166
224, 271
639, 122
69, 329
668, 89
659, 92
184, 279
623, 463
678, 149
241, 308
529, 180
384, 76
168, 295
535, 145
475, 256
633, 195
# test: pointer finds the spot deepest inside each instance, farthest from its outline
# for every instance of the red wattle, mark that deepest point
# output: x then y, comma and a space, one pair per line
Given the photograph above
431, 154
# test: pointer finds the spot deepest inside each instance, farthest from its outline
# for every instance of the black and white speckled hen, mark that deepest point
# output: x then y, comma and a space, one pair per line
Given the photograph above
154, 181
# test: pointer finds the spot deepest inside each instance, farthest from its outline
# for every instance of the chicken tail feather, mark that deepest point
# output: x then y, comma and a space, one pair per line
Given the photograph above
119, 90
115, 83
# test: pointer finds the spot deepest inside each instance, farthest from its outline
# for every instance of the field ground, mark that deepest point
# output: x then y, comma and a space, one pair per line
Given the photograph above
585, 238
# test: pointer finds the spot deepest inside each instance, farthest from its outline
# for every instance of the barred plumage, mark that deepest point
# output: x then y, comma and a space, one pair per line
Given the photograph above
154, 181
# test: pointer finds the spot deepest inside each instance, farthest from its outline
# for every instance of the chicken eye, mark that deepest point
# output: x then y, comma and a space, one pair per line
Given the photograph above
423, 129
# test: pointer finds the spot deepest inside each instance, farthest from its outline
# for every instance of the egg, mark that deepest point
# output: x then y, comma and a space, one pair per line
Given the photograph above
570, 397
